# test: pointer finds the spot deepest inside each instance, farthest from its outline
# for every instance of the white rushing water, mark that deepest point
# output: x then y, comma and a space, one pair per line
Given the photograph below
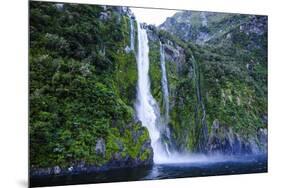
164, 84
132, 35
147, 110
146, 106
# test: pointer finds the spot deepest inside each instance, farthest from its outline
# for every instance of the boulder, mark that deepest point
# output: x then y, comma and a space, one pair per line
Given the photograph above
104, 16
56, 170
100, 147
263, 138
127, 49
70, 169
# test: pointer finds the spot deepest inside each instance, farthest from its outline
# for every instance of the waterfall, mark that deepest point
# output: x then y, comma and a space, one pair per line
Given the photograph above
146, 106
132, 34
164, 83
204, 132
147, 109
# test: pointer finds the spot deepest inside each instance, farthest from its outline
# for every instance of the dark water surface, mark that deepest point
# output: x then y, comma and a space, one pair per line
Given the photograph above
245, 165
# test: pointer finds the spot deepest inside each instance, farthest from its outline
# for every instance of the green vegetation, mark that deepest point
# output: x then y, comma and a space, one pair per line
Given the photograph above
230, 72
83, 83
155, 72
82, 86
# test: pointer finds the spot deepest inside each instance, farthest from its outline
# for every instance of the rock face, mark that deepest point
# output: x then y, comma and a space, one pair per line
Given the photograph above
223, 140
220, 58
208, 27
174, 54
151, 33
256, 25
189, 26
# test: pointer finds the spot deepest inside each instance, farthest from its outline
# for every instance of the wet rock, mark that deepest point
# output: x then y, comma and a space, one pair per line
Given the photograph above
253, 146
152, 36
56, 170
70, 169
59, 6
262, 135
264, 119
175, 54
100, 147
120, 145
216, 124
117, 156
41, 171
263, 139
104, 16
228, 36
144, 26
127, 49
222, 139
104, 7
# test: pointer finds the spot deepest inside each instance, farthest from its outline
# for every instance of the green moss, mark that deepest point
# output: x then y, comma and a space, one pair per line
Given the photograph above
145, 155
126, 77
82, 85
155, 73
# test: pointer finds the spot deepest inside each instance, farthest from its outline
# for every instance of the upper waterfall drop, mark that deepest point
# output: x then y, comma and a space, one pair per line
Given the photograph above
146, 106
132, 34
